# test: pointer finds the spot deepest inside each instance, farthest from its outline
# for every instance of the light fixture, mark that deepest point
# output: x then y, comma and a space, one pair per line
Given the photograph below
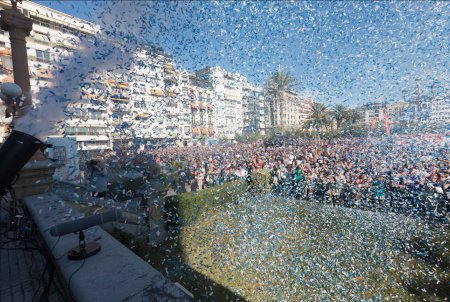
8, 93
19, 147
15, 152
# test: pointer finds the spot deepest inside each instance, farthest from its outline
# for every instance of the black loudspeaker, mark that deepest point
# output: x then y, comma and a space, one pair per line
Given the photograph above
15, 152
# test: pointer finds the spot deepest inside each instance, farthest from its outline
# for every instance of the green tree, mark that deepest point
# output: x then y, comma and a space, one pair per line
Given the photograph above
354, 116
278, 84
319, 118
341, 115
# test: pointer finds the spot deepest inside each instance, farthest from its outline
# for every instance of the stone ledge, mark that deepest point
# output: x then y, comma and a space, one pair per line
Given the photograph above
114, 274
35, 178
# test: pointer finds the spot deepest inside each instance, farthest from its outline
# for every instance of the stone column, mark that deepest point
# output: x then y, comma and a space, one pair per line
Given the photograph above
19, 28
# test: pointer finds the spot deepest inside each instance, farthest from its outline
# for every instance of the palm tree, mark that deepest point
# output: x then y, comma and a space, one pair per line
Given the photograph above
341, 115
278, 84
354, 116
319, 117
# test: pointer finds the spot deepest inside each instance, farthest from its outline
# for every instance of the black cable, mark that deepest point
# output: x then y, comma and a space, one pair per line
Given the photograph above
46, 293
70, 278
16, 239
20, 248
47, 262
41, 279
55, 282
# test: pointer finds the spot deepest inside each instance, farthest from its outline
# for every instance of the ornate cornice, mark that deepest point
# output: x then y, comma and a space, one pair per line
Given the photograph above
11, 18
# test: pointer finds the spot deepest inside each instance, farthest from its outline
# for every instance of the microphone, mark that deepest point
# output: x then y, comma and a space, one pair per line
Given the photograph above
84, 223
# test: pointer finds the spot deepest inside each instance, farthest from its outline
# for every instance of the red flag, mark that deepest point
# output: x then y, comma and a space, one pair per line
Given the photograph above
386, 124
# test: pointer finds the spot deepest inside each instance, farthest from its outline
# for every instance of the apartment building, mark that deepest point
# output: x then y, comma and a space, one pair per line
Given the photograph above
88, 125
440, 111
159, 99
374, 113
227, 100
185, 108
290, 112
54, 38
119, 109
254, 113
152, 102
144, 103
201, 112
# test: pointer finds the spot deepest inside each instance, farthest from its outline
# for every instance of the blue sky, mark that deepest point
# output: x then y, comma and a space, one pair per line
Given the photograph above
351, 52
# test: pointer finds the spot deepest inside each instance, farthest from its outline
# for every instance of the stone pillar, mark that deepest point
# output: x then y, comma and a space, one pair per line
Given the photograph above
19, 28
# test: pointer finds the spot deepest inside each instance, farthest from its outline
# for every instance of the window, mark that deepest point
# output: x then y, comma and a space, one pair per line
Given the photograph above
43, 56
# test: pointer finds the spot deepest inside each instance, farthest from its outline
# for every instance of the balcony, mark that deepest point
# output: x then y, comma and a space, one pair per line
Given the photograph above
169, 67
170, 79
142, 116
171, 93
119, 108
96, 96
129, 277
120, 98
157, 92
123, 85
44, 73
204, 131
196, 131
118, 136
5, 52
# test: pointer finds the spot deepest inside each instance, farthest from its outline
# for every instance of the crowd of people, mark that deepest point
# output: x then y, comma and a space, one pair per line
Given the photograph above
402, 174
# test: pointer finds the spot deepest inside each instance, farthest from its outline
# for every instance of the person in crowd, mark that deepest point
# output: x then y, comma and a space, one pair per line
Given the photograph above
98, 178
249, 177
398, 174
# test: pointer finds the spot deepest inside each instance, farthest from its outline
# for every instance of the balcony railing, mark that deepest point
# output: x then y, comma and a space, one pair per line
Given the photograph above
5, 52
120, 108
157, 92
123, 85
171, 93
142, 116
120, 97
44, 73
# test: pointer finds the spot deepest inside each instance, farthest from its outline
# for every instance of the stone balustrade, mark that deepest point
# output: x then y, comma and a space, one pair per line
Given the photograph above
114, 274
